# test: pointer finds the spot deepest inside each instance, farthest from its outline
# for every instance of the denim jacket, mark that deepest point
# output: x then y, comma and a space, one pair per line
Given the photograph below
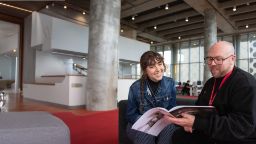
165, 97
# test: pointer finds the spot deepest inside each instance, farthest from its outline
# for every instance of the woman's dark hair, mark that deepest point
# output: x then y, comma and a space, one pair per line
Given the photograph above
149, 58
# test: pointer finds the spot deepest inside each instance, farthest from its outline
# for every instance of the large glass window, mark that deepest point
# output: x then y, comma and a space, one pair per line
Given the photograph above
184, 52
194, 51
195, 61
168, 60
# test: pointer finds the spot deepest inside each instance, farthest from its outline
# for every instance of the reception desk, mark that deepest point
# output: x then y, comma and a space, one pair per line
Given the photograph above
68, 90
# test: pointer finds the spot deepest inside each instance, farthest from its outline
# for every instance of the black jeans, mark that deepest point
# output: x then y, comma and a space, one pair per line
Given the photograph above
182, 137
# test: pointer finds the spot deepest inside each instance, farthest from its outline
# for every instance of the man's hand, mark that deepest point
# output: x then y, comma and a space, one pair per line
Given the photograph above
186, 121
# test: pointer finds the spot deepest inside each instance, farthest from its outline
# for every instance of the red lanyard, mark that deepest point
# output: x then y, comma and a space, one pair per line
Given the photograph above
213, 95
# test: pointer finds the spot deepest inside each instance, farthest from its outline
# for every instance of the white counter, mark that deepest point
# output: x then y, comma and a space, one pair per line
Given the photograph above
69, 92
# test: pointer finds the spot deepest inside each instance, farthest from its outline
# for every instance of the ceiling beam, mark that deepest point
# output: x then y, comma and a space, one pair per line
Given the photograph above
162, 12
232, 3
144, 7
241, 10
181, 29
191, 32
222, 22
171, 18
151, 37
244, 22
127, 23
243, 16
177, 23
131, 3
194, 36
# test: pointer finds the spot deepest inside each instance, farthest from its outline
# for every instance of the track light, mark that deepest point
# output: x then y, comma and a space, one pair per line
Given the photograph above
234, 8
122, 30
47, 6
155, 27
166, 7
186, 19
247, 26
133, 18
83, 13
65, 7
151, 42
179, 37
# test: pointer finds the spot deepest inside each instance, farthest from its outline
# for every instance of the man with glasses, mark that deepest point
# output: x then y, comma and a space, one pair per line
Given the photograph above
233, 92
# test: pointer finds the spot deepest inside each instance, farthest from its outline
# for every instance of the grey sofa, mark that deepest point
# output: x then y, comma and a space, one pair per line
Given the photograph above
32, 128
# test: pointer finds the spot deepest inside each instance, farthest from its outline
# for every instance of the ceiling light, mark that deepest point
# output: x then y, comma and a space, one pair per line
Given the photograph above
247, 3
179, 37
166, 7
133, 18
234, 8
65, 7
155, 27
47, 6
14, 50
186, 19
122, 30
247, 26
254, 36
151, 42
11, 6
83, 58
83, 13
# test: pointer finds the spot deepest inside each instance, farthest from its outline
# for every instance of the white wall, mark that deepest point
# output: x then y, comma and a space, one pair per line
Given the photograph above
130, 49
69, 36
123, 88
53, 64
54, 33
8, 44
64, 35
41, 29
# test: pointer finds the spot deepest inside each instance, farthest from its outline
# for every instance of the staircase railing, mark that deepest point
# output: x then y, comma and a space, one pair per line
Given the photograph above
80, 69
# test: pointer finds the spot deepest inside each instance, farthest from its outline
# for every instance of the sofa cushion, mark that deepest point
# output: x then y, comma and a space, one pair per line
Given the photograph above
32, 128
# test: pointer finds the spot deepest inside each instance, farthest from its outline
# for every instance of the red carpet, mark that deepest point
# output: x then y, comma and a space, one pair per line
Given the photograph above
98, 128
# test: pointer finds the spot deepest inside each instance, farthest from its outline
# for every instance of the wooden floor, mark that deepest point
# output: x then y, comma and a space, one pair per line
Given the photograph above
16, 102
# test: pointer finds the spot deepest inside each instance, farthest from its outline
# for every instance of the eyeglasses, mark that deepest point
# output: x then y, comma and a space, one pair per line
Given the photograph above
217, 60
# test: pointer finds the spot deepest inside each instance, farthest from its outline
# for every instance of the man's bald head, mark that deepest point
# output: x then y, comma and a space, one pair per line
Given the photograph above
222, 48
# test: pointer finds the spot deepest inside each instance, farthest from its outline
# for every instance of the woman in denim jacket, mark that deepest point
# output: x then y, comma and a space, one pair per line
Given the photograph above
151, 90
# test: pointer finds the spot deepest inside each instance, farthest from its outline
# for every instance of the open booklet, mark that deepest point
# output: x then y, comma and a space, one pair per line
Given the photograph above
153, 122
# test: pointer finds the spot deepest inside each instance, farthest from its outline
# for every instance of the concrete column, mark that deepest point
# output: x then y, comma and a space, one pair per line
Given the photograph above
210, 36
104, 26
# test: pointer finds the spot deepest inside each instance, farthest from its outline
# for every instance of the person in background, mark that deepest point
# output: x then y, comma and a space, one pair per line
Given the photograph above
150, 91
233, 92
186, 88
